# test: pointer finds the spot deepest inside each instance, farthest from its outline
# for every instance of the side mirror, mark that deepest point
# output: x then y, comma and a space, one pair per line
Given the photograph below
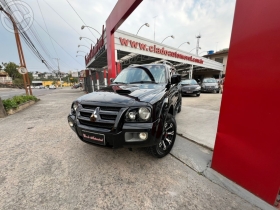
175, 79
112, 79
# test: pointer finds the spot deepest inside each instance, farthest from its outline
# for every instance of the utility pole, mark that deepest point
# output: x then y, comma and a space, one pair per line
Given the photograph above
197, 45
155, 28
59, 71
26, 80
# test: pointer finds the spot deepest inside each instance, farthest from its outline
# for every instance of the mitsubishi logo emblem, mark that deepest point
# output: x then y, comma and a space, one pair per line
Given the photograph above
94, 116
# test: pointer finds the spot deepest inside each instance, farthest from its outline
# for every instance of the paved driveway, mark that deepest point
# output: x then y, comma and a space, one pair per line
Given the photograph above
43, 165
198, 119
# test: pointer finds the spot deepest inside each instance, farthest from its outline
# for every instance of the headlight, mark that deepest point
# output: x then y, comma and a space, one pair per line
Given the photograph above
198, 88
132, 115
144, 113
216, 86
75, 105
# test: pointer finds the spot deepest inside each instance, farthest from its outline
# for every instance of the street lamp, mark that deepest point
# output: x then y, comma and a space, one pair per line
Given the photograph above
183, 43
83, 46
81, 51
167, 37
86, 38
195, 48
146, 24
91, 28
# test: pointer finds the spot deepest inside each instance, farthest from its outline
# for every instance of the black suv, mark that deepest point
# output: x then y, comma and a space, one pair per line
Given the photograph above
137, 110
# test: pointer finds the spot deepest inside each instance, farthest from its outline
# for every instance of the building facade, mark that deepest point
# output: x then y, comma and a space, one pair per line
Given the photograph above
221, 57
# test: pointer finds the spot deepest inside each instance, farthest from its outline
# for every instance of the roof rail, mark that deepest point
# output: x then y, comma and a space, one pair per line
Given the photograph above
165, 62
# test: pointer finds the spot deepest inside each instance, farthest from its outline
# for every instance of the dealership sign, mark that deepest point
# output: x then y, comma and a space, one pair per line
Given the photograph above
157, 50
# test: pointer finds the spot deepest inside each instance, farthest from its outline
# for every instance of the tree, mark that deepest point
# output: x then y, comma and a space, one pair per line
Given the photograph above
11, 69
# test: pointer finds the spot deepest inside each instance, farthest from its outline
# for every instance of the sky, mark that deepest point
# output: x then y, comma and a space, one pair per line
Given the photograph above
58, 27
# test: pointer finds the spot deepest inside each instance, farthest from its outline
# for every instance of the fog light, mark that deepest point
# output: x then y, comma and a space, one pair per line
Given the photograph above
143, 136
132, 115
70, 123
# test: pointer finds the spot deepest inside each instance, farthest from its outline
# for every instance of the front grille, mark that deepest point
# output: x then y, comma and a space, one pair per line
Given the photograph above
108, 117
97, 125
108, 108
85, 114
88, 106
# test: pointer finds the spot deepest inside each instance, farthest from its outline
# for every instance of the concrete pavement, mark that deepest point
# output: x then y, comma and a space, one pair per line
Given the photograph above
198, 119
6, 93
43, 165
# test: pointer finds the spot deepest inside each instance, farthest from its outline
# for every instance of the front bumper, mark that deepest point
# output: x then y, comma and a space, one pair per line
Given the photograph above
190, 92
209, 90
124, 137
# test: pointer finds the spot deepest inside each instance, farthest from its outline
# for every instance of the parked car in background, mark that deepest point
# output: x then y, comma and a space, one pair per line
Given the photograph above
210, 85
76, 86
190, 87
52, 87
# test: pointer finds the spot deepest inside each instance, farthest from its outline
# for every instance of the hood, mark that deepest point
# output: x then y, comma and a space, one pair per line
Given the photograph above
189, 86
210, 84
124, 94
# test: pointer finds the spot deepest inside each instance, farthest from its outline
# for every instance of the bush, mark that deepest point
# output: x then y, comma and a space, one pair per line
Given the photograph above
14, 102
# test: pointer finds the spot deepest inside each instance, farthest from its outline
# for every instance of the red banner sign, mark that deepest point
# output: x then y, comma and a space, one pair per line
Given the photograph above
94, 50
155, 49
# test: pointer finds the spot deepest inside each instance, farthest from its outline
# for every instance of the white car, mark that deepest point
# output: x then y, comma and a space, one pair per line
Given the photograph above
52, 87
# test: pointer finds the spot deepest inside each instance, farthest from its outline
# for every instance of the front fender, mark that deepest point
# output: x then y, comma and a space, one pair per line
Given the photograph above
162, 114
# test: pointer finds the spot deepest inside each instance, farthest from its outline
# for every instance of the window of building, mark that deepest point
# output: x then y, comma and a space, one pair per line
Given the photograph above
220, 60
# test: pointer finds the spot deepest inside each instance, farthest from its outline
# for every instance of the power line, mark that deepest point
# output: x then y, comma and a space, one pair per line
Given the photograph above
46, 27
25, 36
58, 44
34, 33
64, 20
42, 45
81, 18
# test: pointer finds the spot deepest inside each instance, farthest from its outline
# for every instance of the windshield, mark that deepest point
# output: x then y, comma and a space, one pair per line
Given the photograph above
189, 82
209, 80
141, 75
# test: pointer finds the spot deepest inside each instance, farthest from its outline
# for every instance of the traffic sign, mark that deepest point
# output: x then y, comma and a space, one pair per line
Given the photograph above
22, 70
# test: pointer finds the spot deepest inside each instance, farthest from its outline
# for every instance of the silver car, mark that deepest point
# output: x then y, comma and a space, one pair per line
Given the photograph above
210, 85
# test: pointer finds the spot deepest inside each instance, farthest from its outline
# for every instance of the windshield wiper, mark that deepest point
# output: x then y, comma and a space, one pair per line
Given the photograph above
119, 83
142, 82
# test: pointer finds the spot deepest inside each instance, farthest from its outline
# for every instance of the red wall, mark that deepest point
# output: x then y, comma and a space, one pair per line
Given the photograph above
121, 11
247, 148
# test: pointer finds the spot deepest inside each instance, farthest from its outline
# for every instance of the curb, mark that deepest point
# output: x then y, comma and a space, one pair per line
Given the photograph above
205, 146
21, 107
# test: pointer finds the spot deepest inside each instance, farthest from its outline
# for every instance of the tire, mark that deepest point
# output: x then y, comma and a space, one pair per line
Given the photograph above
180, 107
198, 94
168, 138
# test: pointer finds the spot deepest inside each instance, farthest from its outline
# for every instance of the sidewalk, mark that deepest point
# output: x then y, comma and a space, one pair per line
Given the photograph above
199, 159
198, 119
198, 125
197, 122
